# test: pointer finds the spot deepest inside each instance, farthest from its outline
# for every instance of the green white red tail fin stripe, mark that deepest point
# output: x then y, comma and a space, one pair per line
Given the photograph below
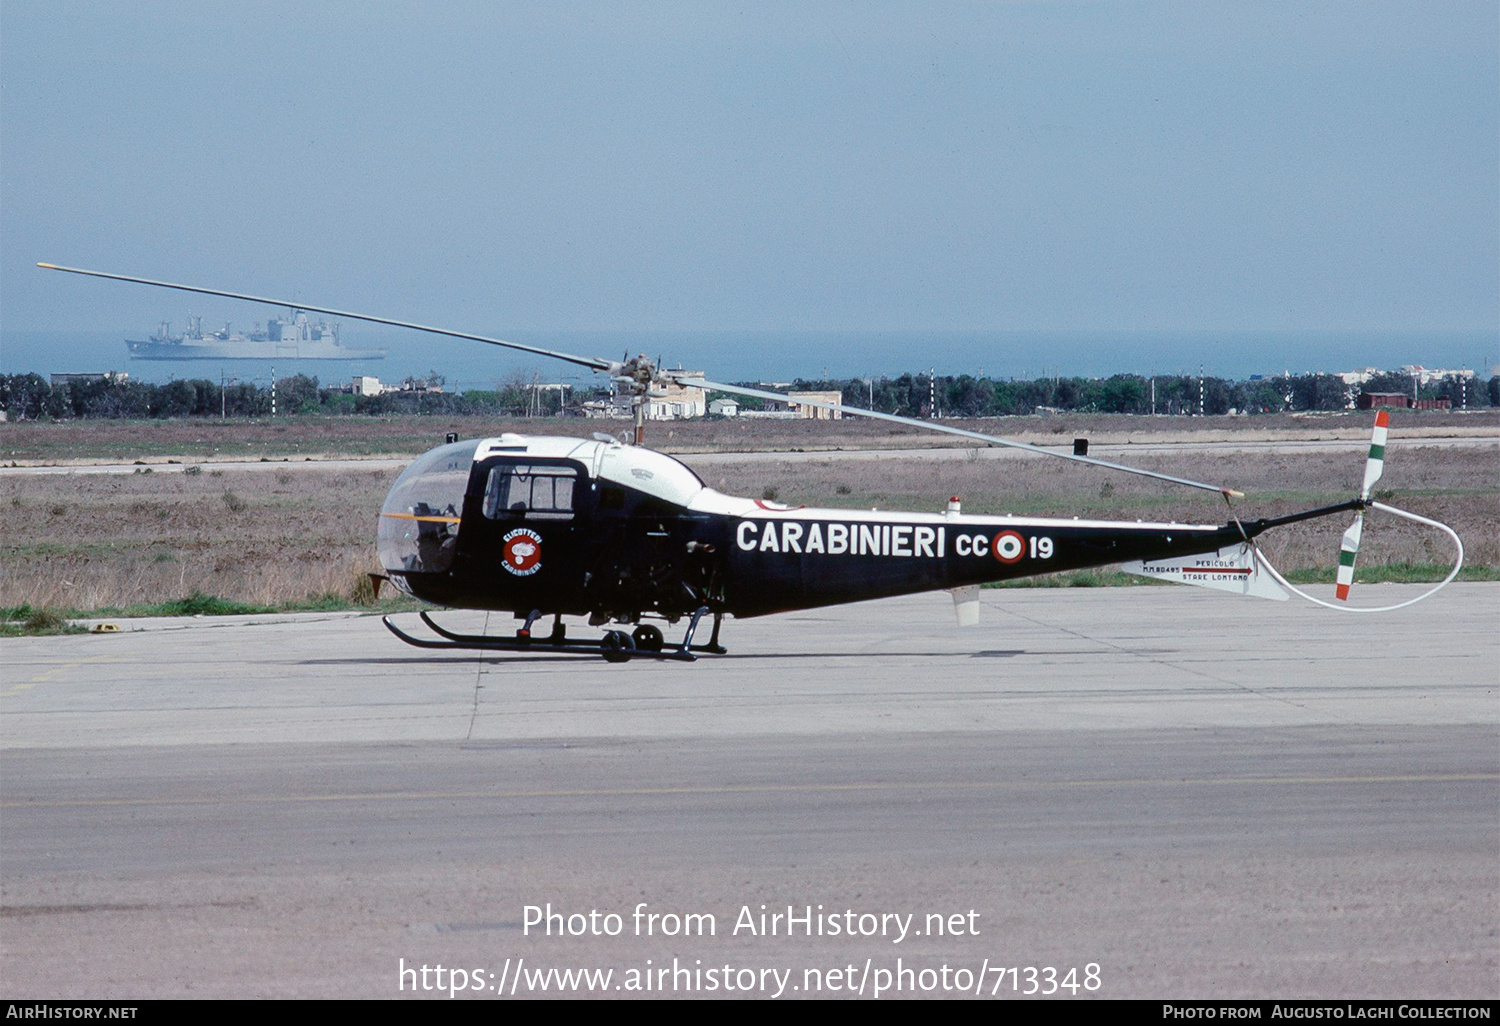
1375, 465
1348, 548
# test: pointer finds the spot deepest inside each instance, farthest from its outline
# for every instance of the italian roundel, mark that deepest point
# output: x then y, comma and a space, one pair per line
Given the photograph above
523, 552
1008, 546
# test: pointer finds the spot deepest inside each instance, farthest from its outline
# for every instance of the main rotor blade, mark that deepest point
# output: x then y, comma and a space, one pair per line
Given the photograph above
855, 411
593, 363
598, 364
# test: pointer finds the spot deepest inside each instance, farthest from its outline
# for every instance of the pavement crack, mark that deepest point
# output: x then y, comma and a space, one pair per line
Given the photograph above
478, 673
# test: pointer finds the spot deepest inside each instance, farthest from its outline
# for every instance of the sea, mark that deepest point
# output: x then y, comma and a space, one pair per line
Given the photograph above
785, 356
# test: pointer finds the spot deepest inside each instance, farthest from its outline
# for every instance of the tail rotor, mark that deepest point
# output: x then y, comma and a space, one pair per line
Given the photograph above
1374, 467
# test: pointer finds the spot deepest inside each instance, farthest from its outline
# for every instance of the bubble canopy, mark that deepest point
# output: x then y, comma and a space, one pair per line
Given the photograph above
418, 530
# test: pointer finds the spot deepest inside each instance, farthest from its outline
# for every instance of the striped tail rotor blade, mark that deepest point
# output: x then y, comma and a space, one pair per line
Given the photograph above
1375, 465
1348, 549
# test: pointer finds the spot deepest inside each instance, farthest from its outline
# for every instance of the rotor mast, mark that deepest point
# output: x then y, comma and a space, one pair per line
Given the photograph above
636, 376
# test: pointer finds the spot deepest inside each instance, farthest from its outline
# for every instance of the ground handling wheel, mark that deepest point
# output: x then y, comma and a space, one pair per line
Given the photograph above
617, 647
647, 638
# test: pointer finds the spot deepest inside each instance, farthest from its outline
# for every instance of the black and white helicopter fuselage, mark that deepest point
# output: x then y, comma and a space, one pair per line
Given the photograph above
552, 526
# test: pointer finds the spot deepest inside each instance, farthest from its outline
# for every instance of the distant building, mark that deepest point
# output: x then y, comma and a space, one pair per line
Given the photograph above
677, 402
724, 408
672, 409
68, 379
367, 385
609, 409
820, 412
681, 401
1427, 375
1396, 400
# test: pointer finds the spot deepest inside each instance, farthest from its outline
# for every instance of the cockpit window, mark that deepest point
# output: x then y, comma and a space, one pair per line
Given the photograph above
419, 521
530, 491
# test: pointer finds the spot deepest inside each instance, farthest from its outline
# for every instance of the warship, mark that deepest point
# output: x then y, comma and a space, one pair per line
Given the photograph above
295, 338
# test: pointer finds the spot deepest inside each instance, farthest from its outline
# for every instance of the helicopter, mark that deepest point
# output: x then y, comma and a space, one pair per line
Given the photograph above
547, 527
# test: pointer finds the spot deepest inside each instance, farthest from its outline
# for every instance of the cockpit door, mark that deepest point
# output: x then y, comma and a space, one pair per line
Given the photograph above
520, 527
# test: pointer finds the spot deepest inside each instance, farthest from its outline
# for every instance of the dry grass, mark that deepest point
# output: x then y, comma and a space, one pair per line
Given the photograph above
277, 537
94, 541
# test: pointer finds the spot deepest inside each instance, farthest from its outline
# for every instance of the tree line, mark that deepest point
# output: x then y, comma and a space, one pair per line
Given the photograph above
33, 397
913, 395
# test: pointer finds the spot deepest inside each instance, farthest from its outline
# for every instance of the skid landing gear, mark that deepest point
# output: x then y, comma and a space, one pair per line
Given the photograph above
645, 642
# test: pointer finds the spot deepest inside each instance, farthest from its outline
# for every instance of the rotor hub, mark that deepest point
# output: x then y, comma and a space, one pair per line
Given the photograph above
636, 375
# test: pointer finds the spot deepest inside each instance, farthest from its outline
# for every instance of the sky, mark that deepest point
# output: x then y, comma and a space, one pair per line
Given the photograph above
514, 168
